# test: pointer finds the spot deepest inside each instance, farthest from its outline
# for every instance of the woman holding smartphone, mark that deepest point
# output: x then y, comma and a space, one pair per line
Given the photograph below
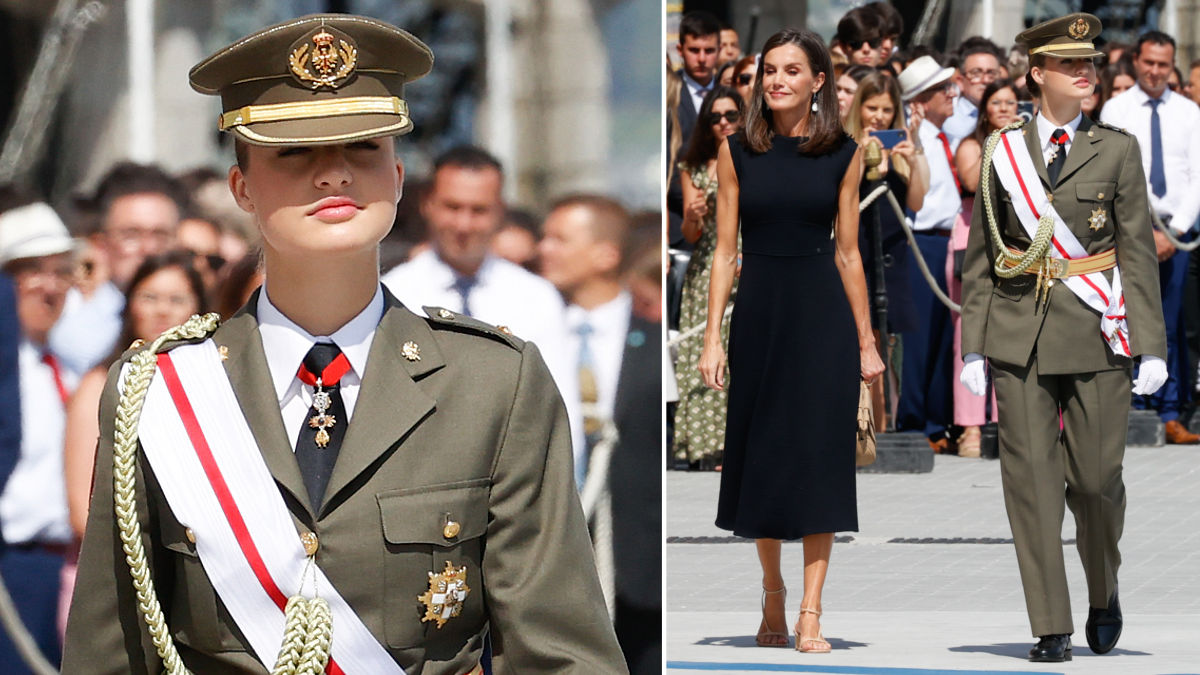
800, 339
874, 118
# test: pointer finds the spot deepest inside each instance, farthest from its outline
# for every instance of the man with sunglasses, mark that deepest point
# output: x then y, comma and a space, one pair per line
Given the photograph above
978, 66
860, 36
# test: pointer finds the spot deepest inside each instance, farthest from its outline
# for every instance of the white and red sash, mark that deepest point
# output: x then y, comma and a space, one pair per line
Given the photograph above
217, 484
1014, 167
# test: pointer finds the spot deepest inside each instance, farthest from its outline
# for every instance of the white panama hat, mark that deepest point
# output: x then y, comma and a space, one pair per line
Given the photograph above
32, 231
920, 75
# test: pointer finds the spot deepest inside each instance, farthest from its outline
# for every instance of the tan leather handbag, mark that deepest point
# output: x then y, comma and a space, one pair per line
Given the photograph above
864, 451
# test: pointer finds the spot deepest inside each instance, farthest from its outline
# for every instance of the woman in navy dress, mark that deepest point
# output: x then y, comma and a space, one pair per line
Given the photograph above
800, 339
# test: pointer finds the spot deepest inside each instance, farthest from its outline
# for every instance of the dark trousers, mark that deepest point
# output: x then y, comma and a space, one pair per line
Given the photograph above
639, 631
32, 578
1175, 395
926, 401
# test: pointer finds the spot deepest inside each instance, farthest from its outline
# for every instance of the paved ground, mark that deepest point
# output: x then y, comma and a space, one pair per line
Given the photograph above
925, 588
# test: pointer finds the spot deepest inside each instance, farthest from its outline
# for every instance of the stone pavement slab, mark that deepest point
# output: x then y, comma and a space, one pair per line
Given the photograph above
930, 581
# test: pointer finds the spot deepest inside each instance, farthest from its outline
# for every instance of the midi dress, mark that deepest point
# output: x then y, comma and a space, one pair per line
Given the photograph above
790, 432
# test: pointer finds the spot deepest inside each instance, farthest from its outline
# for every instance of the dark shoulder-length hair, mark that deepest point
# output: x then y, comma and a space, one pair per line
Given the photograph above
824, 126
983, 127
702, 146
181, 260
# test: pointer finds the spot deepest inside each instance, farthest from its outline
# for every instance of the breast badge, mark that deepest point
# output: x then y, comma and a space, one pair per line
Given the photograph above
447, 591
1098, 219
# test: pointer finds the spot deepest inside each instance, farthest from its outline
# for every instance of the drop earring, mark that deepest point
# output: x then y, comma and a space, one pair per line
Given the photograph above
814, 102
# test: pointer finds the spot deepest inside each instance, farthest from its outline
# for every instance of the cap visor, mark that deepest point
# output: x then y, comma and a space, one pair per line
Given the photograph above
323, 131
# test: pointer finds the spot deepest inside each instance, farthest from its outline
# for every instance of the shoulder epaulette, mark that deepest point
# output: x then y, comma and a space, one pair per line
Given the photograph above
198, 328
1106, 125
440, 317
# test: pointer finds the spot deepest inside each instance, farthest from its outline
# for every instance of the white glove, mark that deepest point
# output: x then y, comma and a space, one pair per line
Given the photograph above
1152, 374
973, 377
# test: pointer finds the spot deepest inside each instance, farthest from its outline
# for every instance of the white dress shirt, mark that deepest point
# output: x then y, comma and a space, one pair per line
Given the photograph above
942, 200
33, 507
88, 329
610, 324
1046, 129
1179, 120
962, 123
504, 295
286, 344
696, 90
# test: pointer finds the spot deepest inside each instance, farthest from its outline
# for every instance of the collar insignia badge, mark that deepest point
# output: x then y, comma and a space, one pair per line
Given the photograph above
323, 63
447, 592
411, 351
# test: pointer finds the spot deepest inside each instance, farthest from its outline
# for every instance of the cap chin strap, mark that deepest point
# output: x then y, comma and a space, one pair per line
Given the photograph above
1062, 45
303, 110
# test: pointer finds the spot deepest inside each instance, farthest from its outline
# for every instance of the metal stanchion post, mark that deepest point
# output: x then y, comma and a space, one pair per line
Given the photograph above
879, 300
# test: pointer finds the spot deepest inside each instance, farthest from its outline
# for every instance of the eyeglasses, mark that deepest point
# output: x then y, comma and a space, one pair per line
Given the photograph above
1173, 85
745, 79
732, 115
977, 74
215, 262
874, 44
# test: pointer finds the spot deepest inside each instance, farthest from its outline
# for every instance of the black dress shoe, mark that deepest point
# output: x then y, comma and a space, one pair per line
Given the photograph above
1051, 649
1104, 626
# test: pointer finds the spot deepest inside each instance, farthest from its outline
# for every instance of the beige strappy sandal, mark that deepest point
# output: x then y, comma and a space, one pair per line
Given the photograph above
764, 629
817, 645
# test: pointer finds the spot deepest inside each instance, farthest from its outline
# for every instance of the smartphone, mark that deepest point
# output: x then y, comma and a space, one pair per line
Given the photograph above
888, 138
1025, 110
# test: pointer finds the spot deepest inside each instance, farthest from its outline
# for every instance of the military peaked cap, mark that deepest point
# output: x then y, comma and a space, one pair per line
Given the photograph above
1067, 37
316, 80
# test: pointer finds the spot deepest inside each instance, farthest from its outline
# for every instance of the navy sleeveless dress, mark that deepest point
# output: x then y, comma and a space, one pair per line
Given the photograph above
793, 352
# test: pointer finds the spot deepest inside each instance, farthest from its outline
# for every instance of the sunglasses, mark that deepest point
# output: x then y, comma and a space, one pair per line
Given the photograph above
745, 79
732, 115
875, 44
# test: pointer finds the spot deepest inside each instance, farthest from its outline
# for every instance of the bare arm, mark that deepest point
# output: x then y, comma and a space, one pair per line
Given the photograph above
79, 454
849, 265
712, 358
966, 162
695, 207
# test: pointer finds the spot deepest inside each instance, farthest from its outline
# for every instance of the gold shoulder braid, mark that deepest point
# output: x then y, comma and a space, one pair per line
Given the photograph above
308, 622
1009, 264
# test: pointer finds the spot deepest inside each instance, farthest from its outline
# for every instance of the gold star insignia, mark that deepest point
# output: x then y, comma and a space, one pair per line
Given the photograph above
1098, 219
447, 592
411, 351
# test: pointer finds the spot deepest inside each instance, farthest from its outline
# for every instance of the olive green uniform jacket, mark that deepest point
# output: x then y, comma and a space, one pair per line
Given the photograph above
1103, 170
473, 431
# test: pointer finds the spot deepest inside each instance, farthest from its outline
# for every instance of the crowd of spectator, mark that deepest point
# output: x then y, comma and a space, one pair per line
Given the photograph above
946, 103
146, 249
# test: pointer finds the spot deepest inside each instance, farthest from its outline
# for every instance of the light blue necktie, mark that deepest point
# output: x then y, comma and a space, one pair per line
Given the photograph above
464, 285
1158, 176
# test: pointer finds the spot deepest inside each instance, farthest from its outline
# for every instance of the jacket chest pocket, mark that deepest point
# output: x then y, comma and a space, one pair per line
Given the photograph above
1096, 199
427, 530
194, 613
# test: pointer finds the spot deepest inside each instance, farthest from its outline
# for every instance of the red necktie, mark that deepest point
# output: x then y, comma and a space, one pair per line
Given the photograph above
49, 360
950, 159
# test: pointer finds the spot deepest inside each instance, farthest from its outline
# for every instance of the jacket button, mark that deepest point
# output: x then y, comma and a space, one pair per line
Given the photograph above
191, 536
451, 529
1100, 196
310, 542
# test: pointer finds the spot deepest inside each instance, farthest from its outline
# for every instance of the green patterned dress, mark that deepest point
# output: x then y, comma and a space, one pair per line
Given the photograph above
700, 413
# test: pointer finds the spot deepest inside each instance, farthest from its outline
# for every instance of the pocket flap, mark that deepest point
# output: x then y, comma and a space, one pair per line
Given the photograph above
441, 515
1098, 191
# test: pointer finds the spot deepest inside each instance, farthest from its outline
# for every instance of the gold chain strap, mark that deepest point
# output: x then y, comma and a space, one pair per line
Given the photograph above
309, 623
1008, 264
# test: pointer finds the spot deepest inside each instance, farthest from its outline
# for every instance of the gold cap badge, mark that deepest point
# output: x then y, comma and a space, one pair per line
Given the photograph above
324, 58
1079, 29
447, 591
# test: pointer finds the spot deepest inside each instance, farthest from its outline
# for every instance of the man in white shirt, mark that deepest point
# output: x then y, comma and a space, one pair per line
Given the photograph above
617, 352
925, 394
464, 208
1164, 123
35, 249
978, 66
140, 208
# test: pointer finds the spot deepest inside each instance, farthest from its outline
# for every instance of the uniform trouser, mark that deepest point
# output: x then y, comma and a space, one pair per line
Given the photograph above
1175, 393
1035, 465
925, 393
